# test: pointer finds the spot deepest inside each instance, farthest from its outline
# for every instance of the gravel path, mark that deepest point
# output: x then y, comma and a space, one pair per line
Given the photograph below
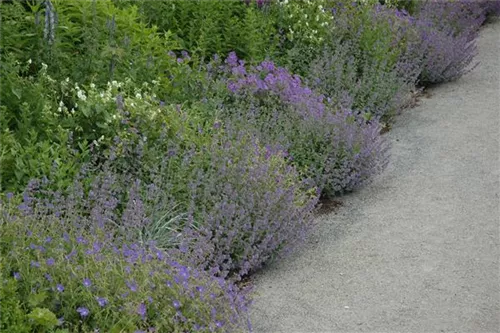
418, 250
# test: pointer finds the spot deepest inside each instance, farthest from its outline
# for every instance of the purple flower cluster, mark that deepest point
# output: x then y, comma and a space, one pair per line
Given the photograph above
157, 286
255, 208
326, 141
447, 38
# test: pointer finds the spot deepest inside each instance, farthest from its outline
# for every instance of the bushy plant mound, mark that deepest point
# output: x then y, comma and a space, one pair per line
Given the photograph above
448, 32
333, 146
367, 65
248, 206
242, 199
491, 7
66, 270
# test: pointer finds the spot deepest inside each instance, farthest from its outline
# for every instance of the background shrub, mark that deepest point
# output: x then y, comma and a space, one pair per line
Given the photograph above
35, 138
303, 28
85, 40
207, 27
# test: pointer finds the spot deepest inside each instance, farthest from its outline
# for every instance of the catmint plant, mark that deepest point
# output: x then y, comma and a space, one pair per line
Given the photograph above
448, 32
321, 139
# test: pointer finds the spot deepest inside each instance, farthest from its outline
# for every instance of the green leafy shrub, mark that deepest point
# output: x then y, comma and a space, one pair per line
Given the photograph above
35, 138
412, 6
207, 27
13, 318
304, 27
85, 40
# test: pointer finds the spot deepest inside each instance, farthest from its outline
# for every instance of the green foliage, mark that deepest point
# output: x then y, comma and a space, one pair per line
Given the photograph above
205, 28
411, 6
92, 40
305, 27
43, 318
13, 318
35, 141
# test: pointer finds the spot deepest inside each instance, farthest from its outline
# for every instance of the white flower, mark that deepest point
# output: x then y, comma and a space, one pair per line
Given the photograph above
138, 96
61, 104
29, 61
81, 95
92, 85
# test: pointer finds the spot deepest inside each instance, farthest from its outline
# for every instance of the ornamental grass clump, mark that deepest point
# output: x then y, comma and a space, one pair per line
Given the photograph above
72, 270
336, 148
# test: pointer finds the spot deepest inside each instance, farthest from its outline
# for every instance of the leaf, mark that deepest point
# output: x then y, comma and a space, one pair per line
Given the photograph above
16, 92
43, 317
37, 299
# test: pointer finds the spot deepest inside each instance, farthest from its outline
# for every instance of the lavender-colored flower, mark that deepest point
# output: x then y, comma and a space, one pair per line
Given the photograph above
50, 262
176, 304
59, 287
17, 276
132, 285
87, 283
35, 264
83, 311
447, 45
141, 310
101, 301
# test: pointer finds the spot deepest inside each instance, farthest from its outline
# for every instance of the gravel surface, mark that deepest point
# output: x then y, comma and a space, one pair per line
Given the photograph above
418, 250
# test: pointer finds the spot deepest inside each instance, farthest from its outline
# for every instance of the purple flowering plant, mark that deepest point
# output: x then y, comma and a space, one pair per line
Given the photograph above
329, 144
87, 275
447, 38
